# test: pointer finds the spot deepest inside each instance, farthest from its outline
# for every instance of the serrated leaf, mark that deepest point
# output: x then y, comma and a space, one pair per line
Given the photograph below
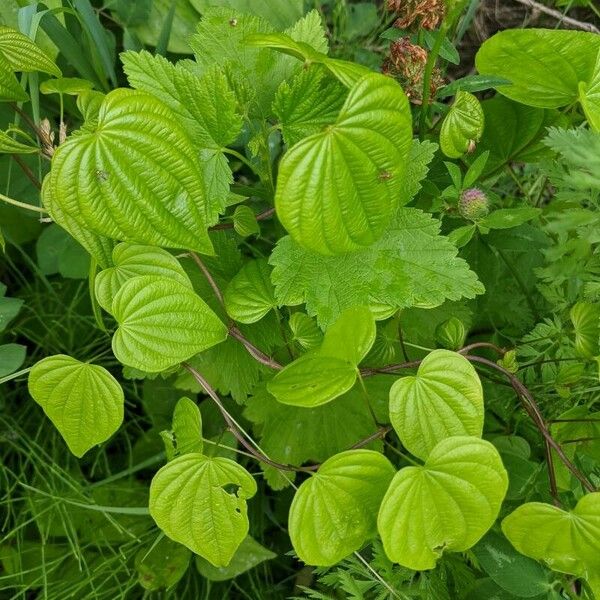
443, 399
589, 96
250, 295
191, 502
99, 246
337, 190
133, 260
133, 175
324, 374
83, 401
462, 126
248, 555
568, 541
10, 89
307, 104
411, 265
72, 86
22, 54
446, 505
335, 511
280, 13
162, 322
545, 66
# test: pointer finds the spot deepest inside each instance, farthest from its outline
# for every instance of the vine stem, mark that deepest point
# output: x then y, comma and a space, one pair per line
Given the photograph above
259, 217
8, 200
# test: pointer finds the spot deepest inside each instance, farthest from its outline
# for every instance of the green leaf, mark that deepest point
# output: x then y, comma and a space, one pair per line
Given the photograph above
133, 260
471, 83
12, 356
162, 322
446, 505
337, 190
334, 512
586, 323
206, 105
411, 265
312, 380
308, 104
187, 427
10, 88
83, 401
133, 175
72, 86
248, 555
280, 13
161, 565
443, 399
325, 374
305, 331
296, 435
10, 145
192, 502
462, 126
23, 55
244, 221
250, 295
517, 574
506, 218
99, 246
568, 541
589, 96
9, 308
545, 66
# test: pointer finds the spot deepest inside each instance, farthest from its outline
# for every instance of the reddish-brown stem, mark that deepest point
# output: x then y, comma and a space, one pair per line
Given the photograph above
259, 217
28, 172
255, 352
213, 284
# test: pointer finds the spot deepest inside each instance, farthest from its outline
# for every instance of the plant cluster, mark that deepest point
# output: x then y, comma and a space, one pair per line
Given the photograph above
292, 301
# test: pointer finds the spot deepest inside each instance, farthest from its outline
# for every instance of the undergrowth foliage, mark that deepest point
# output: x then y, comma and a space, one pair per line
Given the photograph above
314, 323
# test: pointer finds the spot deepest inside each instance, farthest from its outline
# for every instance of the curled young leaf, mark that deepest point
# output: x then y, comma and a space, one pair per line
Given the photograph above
462, 126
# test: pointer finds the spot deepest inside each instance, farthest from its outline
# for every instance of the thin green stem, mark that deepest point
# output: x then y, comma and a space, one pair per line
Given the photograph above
22, 204
431, 62
241, 158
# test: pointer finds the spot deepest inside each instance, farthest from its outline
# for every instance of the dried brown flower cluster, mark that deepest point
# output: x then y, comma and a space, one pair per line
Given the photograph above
427, 14
406, 63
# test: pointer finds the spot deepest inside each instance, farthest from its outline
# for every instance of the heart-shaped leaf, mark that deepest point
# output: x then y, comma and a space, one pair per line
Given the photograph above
250, 294
462, 126
334, 511
324, 374
446, 505
132, 260
337, 189
568, 541
134, 175
83, 401
162, 322
186, 430
545, 66
443, 399
191, 501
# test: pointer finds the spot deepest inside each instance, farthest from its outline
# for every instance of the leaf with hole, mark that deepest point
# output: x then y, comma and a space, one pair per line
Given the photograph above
446, 505
443, 399
462, 126
334, 512
200, 502
162, 322
83, 401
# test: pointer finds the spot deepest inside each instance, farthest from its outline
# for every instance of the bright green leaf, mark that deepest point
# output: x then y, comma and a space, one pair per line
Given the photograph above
133, 260
334, 512
280, 13
187, 428
462, 126
305, 331
244, 221
568, 541
83, 401
337, 190
162, 322
442, 400
249, 295
10, 88
22, 54
248, 555
10, 145
505, 218
133, 175
545, 66
589, 96
72, 86
446, 505
586, 323
192, 502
